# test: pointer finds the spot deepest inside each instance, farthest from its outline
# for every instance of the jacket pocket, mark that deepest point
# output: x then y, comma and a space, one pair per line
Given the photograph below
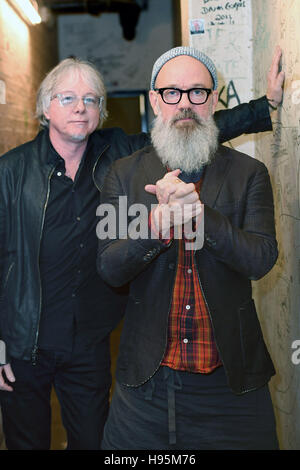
252, 342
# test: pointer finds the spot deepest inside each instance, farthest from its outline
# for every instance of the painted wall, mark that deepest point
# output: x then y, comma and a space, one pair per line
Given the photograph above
26, 54
223, 30
125, 65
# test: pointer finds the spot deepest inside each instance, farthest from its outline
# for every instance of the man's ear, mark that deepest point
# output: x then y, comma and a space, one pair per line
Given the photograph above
46, 114
153, 98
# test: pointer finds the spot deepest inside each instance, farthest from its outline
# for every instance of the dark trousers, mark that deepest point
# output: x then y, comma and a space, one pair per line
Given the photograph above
181, 411
81, 380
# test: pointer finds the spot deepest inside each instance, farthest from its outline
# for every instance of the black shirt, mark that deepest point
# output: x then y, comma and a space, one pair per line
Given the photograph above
70, 283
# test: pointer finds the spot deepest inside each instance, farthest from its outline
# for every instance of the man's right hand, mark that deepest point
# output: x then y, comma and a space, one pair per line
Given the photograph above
7, 371
178, 202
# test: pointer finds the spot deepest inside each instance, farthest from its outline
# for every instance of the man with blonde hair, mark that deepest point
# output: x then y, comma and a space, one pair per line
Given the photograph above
56, 313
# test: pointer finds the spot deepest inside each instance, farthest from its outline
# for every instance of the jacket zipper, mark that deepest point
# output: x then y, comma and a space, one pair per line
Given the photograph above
94, 168
8, 274
34, 350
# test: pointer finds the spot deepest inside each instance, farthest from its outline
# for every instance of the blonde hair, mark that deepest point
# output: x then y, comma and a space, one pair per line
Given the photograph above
75, 66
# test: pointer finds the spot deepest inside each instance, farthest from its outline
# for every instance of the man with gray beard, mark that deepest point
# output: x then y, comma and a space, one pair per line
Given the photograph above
179, 147
193, 368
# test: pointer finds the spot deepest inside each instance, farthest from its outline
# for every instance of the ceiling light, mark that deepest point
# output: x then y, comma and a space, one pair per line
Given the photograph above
28, 10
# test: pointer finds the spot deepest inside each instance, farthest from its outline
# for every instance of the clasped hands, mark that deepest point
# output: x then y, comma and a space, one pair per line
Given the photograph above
178, 202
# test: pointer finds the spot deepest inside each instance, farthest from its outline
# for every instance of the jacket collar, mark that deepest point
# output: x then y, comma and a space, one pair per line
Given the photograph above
215, 176
49, 154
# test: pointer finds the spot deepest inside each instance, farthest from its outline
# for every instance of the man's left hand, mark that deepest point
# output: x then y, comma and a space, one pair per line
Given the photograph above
275, 80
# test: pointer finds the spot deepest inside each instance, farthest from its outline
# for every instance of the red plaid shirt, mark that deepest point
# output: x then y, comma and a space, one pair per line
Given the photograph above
191, 345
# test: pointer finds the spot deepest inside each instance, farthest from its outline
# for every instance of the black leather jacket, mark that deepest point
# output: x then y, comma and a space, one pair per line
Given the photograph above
25, 177
24, 189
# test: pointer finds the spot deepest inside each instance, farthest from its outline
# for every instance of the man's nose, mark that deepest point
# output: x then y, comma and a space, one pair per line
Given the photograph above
79, 106
184, 102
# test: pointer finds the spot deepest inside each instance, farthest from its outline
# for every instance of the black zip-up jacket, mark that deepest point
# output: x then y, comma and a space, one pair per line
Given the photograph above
24, 190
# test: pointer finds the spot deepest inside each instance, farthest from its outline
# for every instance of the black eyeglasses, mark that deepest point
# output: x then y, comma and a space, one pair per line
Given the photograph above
174, 95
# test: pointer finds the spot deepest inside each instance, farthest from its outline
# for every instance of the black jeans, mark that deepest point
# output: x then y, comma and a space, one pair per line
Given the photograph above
82, 382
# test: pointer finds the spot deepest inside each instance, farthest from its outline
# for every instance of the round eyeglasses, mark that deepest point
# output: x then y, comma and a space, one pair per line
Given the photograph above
68, 99
174, 95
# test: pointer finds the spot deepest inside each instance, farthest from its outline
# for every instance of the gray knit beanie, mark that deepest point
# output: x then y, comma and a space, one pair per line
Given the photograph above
184, 50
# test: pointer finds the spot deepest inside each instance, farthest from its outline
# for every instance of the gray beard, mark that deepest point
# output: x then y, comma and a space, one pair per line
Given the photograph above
78, 137
188, 147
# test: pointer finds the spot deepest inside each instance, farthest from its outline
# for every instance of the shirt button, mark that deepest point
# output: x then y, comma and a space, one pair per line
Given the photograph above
185, 340
78, 218
59, 173
187, 307
189, 271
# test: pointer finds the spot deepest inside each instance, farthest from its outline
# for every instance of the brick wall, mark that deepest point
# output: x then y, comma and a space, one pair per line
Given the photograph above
27, 53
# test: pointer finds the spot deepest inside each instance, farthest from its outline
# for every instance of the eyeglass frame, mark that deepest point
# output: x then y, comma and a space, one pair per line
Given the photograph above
59, 95
161, 91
